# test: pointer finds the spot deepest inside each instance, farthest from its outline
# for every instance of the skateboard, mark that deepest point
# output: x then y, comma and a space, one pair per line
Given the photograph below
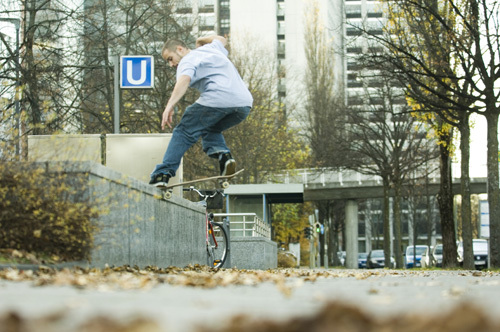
223, 178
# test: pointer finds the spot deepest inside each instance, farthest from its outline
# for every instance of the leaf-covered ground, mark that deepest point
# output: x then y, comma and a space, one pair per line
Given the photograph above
333, 317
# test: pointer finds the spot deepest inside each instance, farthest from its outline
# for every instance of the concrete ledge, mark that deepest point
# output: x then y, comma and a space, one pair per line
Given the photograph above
253, 253
139, 227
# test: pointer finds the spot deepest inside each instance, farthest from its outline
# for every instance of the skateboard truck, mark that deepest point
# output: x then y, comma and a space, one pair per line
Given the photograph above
224, 183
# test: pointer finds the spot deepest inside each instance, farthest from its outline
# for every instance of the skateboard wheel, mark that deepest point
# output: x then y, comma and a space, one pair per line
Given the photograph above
167, 195
225, 184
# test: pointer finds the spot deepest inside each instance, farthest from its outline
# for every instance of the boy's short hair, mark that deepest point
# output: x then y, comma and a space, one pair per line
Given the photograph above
172, 44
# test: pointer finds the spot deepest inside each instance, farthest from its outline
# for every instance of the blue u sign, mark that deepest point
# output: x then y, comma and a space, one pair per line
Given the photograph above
136, 71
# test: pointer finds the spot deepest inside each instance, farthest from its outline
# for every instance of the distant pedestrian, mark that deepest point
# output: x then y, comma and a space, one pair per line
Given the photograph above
225, 101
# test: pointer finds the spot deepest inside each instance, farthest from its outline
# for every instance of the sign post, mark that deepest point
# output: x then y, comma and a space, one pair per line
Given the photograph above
131, 72
116, 89
137, 71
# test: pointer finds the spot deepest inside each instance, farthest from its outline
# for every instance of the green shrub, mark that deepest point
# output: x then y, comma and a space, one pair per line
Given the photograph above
45, 212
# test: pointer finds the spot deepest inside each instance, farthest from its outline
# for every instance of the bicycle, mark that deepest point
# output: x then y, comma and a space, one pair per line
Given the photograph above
216, 237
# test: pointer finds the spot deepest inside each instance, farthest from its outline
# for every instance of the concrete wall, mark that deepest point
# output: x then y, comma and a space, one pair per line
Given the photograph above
140, 228
135, 155
246, 204
65, 148
253, 253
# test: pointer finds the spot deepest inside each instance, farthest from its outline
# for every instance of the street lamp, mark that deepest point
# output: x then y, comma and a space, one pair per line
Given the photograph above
17, 24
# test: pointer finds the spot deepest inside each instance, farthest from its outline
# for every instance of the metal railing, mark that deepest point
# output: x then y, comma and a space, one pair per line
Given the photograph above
326, 175
246, 225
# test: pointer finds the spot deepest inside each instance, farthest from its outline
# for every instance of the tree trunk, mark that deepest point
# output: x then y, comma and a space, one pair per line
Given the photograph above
387, 224
493, 187
430, 220
324, 208
30, 73
445, 201
465, 192
336, 216
398, 249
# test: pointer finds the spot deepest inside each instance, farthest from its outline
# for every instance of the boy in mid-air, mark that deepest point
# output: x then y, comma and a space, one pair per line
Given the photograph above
224, 102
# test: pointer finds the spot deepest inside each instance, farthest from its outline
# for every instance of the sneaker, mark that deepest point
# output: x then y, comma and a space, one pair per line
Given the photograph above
160, 180
227, 164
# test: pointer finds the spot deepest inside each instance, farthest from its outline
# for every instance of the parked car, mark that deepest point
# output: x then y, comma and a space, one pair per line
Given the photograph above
376, 260
426, 260
480, 250
341, 255
437, 255
340, 259
413, 255
362, 256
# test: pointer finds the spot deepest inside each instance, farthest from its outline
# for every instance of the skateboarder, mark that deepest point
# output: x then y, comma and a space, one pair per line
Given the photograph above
224, 102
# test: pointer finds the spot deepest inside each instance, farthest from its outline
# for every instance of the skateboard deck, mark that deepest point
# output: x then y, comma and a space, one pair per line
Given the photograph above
224, 184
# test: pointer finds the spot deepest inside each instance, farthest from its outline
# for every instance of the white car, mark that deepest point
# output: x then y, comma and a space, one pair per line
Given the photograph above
414, 252
480, 250
426, 260
437, 255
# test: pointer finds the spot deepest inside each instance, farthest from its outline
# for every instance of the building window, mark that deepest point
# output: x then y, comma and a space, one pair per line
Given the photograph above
353, 32
353, 11
224, 23
376, 32
375, 49
281, 47
356, 50
353, 15
374, 15
207, 9
352, 77
355, 101
354, 84
185, 10
376, 101
354, 66
281, 9
281, 28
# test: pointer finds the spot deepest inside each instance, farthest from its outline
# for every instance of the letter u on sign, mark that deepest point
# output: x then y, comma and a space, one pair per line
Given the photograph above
137, 71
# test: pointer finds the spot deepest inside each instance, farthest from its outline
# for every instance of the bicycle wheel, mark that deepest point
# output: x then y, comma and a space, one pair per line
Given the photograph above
217, 245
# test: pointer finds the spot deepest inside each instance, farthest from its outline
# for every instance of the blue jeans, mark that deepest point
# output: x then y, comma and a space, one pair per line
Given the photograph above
200, 121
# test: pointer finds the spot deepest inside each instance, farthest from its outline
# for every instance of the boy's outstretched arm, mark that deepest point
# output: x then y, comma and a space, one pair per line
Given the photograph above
208, 39
180, 89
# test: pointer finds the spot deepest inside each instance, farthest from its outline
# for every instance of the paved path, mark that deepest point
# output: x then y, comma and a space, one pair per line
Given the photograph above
181, 308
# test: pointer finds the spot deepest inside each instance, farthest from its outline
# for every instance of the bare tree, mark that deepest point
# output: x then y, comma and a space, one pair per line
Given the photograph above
46, 65
324, 100
67, 63
323, 115
452, 59
387, 141
127, 28
440, 54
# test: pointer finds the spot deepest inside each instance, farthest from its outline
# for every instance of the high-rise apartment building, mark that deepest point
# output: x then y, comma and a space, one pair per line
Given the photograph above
203, 15
279, 26
360, 15
206, 16
268, 27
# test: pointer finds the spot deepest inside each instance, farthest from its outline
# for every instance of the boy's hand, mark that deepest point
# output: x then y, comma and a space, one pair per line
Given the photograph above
167, 117
201, 41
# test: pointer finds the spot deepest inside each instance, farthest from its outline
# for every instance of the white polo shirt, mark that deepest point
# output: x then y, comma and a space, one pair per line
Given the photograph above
215, 76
